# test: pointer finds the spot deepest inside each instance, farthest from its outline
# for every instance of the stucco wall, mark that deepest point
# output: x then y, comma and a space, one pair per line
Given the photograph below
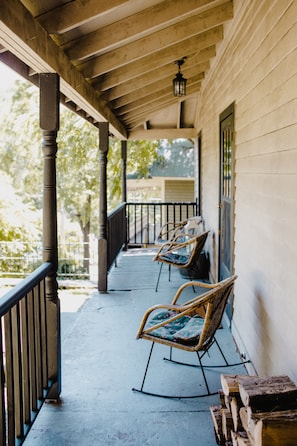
257, 69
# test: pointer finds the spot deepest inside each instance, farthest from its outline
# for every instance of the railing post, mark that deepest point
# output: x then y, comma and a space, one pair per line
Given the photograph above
102, 242
124, 186
49, 124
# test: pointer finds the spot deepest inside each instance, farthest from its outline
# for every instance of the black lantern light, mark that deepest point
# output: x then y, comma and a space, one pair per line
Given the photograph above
179, 82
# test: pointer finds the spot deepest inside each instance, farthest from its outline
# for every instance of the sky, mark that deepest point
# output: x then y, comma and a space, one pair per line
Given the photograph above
7, 76
7, 79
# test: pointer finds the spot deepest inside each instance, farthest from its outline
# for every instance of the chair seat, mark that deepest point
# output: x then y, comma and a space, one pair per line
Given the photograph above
177, 259
185, 330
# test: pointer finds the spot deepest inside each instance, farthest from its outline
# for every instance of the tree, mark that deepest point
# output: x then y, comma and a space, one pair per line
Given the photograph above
77, 160
78, 174
18, 224
20, 144
141, 155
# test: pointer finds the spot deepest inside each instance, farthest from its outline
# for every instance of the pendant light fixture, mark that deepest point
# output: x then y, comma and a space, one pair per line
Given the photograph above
179, 82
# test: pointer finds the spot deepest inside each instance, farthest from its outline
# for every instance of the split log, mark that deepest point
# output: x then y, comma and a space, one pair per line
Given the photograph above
230, 384
217, 423
274, 428
227, 402
235, 405
244, 418
234, 438
265, 394
240, 439
227, 424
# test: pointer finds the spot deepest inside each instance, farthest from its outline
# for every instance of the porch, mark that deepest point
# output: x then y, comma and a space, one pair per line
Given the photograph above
102, 361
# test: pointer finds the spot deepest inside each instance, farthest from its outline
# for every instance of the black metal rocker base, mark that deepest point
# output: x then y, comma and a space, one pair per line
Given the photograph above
172, 396
200, 366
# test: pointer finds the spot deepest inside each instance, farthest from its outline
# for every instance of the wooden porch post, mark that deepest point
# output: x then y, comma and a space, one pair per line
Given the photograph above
124, 185
49, 124
102, 242
124, 171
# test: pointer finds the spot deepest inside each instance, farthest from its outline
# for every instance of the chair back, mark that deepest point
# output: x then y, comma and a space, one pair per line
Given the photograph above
194, 249
215, 304
194, 225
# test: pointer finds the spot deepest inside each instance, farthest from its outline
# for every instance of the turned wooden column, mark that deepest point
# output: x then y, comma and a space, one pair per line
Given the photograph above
49, 124
124, 186
102, 241
124, 171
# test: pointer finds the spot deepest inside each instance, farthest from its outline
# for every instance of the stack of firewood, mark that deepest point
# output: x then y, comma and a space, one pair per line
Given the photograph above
256, 411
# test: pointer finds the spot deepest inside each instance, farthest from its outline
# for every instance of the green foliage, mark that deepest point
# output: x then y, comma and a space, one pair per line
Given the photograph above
176, 159
140, 157
20, 227
78, 167
20, 144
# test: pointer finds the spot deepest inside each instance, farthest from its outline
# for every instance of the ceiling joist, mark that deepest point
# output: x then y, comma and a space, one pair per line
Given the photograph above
116, 58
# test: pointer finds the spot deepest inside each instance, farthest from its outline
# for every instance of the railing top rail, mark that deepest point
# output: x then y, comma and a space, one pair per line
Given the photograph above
167, 203
15, 294
116, 210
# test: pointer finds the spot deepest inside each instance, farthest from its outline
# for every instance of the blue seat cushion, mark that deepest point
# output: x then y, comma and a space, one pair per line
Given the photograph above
185, 330
178, 259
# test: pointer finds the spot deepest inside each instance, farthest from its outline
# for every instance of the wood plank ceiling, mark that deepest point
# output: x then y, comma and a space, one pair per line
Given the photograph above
116, 57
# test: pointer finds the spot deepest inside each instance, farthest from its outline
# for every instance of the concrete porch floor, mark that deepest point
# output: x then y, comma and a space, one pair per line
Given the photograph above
102, 361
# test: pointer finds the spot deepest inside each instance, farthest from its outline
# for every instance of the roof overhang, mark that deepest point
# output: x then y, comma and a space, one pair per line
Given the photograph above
116, 58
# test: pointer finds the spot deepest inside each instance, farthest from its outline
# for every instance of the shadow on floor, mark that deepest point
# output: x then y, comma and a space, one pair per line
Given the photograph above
102, 361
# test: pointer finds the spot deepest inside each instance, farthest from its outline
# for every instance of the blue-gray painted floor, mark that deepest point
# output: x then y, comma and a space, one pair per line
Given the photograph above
102, 361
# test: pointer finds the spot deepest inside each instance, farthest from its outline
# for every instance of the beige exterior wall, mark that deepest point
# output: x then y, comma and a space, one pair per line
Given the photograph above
257, 69
179, 190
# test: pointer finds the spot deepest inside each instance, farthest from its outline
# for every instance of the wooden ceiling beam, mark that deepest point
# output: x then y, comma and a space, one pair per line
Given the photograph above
141, 113
150, 93
21, 34
105, 39
151, 44
169, 133
127, 90
134, 121
74, 13
163, 57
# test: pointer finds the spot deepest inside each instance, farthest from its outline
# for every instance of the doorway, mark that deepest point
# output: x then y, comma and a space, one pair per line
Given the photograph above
226, 198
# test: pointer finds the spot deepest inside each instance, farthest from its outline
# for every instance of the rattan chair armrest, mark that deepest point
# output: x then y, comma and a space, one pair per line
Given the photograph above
170, 246
164, 248
208, 286
181, 310
150, 310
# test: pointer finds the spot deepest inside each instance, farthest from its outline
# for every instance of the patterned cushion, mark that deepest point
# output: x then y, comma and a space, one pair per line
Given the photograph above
185, 330
179, 259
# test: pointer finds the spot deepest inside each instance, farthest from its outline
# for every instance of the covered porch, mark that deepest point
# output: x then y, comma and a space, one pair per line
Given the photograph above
102, 361
112, 62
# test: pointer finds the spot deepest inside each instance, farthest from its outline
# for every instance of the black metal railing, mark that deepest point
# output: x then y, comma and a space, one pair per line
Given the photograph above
116, 233
145, 220
24, 381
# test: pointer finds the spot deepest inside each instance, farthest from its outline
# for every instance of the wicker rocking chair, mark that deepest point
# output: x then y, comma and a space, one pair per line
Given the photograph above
182, 252
190, 326
170, 230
